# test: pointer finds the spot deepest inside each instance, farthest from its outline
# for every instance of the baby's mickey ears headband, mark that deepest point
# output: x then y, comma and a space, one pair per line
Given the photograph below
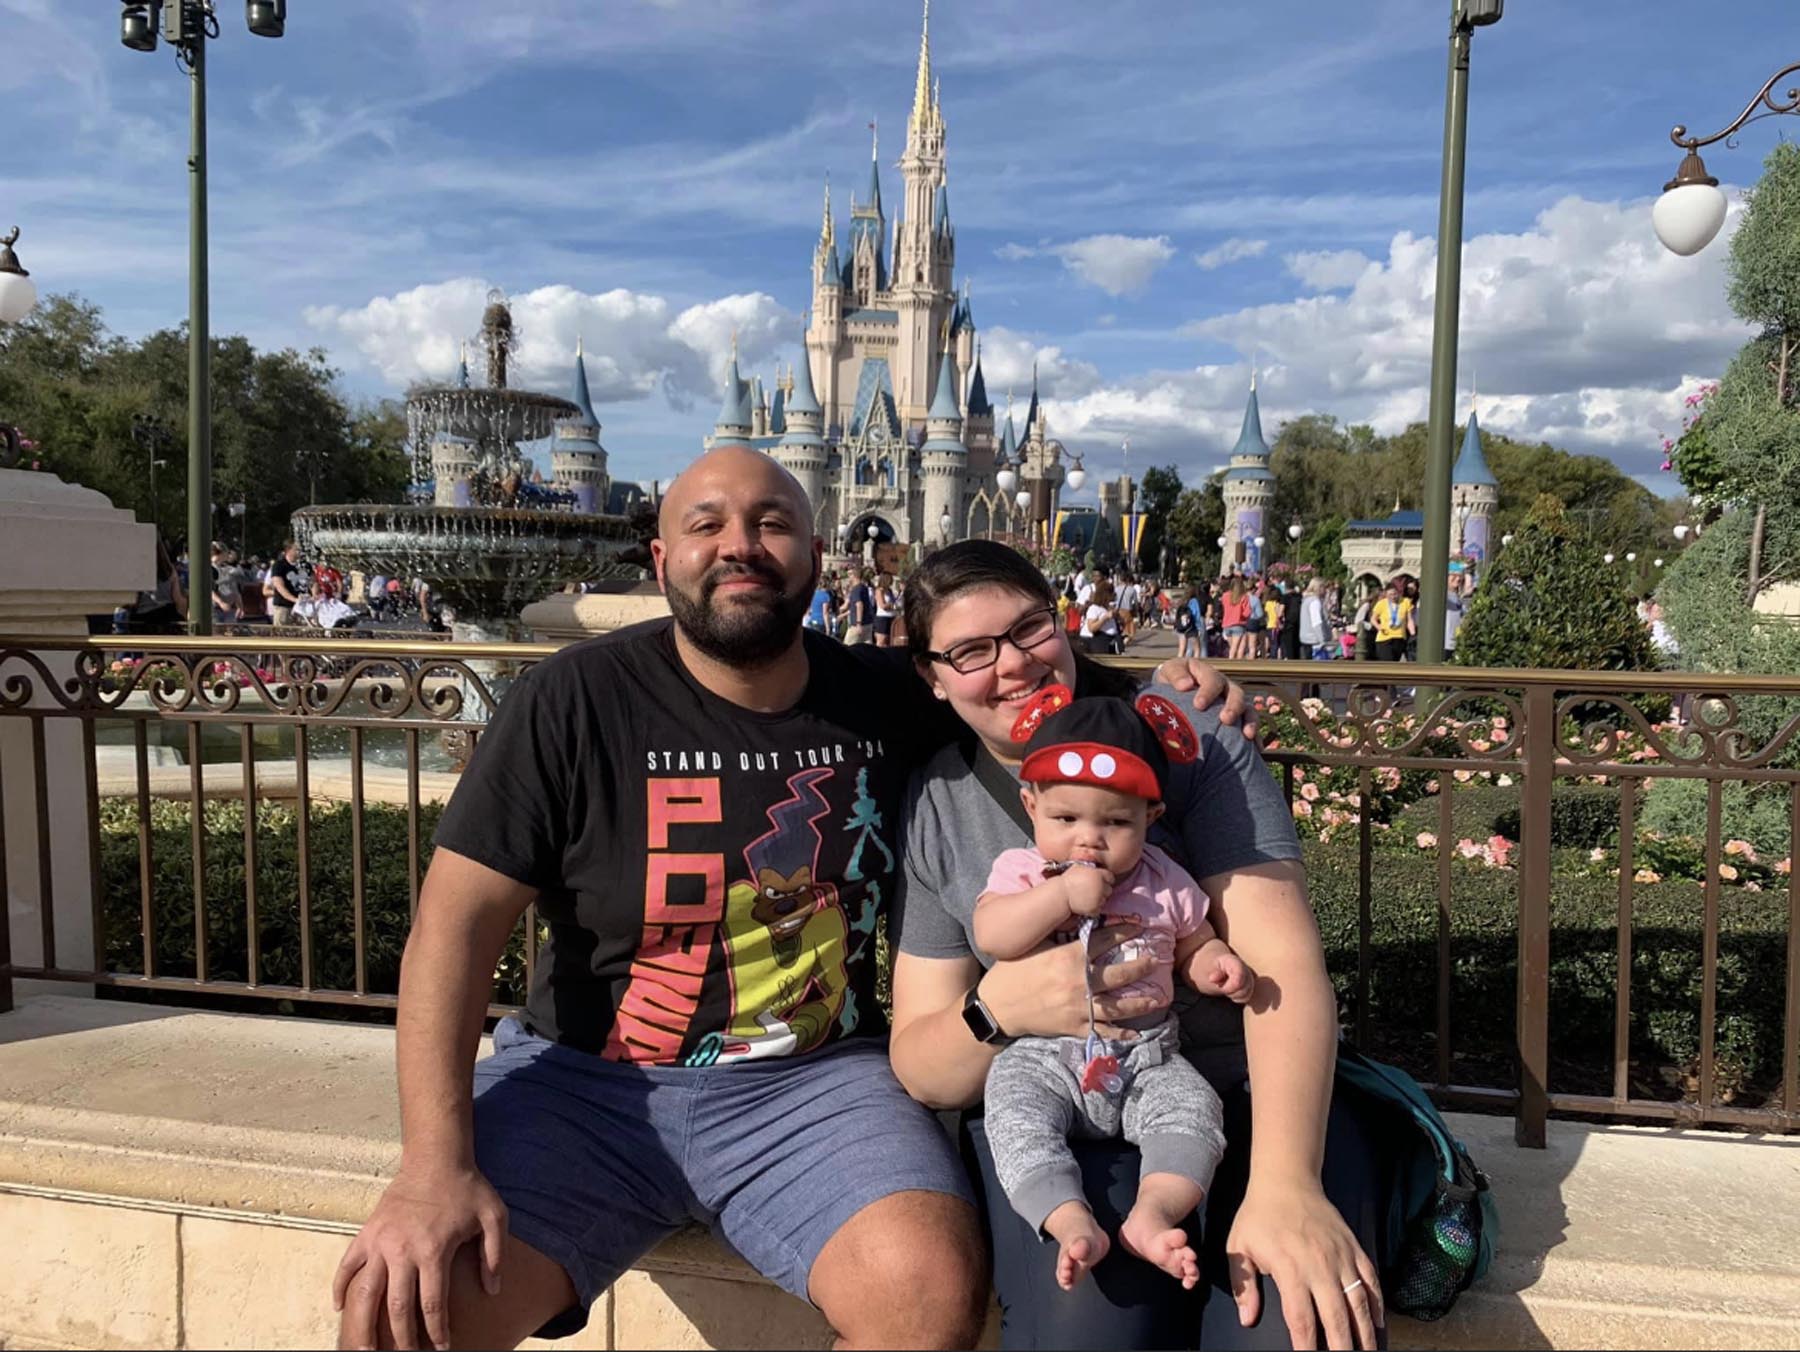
1103, 741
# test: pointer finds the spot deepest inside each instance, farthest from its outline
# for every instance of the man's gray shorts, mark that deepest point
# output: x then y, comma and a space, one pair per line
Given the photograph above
599, 1161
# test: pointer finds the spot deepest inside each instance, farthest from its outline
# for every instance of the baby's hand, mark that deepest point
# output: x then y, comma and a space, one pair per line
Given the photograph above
1231, 977
1087, 889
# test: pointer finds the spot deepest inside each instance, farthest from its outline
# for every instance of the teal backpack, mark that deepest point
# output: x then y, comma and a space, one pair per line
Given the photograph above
1442, 1222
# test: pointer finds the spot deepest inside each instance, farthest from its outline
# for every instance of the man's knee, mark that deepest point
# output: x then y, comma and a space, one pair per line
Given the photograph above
911, 1269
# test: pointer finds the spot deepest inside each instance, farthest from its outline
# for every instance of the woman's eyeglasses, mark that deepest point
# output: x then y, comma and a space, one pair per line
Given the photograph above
976, 654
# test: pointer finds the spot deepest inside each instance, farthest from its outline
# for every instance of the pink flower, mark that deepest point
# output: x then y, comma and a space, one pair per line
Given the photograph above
1741, 847
1646, 875
1310, 792
1431, 786
1463, 776
1425, 840
1728, 873
1785, 867
1480, 743
1499, 847
1752, 886
1302, 808
1467, 848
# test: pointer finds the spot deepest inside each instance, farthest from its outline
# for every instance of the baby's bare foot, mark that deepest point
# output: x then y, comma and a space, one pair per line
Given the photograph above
1149, 1238
1083, 1242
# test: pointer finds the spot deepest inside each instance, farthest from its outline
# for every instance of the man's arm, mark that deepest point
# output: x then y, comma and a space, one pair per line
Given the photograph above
437, 1201
1011, 924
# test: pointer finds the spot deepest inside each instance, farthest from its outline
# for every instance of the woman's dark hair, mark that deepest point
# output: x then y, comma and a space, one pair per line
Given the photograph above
966, 566
969, 565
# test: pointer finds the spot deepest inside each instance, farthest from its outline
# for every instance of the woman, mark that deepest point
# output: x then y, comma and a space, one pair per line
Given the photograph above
1278, 1259
1235, 618
1100, 624
1288, 635
887, 605
1315, 622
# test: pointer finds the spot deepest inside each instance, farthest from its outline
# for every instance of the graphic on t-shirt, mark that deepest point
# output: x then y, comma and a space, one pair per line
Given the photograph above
786, 937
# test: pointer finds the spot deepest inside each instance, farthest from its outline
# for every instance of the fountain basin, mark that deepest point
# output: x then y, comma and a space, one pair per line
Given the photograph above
485, 562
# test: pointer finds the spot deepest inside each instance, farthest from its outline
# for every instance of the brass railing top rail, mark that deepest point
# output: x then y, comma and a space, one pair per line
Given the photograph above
306, 647
1363, 673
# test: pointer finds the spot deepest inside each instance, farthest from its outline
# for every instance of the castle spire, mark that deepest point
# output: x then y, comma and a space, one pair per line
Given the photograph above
827, 231
922, 100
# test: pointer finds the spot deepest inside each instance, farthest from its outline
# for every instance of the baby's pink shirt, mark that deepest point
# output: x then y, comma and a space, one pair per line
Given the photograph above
1158, 893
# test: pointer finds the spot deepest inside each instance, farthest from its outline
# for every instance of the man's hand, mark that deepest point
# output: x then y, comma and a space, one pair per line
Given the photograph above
1230, 976
401, 1256
1087, 889
1209, 685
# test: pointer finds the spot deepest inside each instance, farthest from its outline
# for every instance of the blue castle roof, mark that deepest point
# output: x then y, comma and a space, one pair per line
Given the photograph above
979, 403
1250, 443
943, 402
1472, 466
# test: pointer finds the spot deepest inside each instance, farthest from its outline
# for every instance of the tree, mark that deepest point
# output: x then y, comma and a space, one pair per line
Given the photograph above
1195, 524
1546, 601
281, 435
1161, 490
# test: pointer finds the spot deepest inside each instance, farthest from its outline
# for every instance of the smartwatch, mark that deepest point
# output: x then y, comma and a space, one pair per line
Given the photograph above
980, 1019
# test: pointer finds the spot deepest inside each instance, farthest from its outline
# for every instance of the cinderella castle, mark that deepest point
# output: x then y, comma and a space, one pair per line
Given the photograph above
887, 423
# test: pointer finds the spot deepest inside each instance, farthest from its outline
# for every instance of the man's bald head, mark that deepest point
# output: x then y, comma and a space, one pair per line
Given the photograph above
736, 556
733, 468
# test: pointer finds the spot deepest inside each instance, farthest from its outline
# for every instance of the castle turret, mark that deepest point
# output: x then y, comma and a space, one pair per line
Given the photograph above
802, 448
733, 426
924, 247
577, 460
868, 238
943, 459
1249, 489
1475, 496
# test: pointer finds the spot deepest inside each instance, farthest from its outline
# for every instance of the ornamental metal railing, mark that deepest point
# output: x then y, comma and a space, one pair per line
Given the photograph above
1541, 892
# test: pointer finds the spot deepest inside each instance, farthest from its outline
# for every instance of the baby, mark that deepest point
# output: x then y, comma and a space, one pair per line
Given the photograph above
1093, 779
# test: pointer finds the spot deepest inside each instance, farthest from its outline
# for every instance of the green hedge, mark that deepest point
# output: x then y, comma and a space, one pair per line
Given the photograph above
1666, 971
331, 854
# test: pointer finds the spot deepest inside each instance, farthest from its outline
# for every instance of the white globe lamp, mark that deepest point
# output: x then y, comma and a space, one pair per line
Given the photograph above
1022, 499
1658, 563
1221, 542
1608, 556
1631, 556
1506, 539
1688, 215
1295, 531
1681, 531
1006, 479
875, 530
17, 294
1261, 541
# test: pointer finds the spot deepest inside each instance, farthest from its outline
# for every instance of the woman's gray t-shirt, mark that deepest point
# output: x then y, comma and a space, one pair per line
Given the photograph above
1225, 813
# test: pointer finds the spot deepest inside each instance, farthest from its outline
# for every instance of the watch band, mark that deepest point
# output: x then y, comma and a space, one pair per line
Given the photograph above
980, 1019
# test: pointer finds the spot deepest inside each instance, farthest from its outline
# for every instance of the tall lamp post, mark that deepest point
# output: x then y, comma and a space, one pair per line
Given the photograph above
1465, 17
17, 296
186, 25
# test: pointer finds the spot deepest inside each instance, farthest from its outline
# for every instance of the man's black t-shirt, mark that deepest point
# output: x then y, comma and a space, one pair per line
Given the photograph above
291, 575
710, 876
862, 604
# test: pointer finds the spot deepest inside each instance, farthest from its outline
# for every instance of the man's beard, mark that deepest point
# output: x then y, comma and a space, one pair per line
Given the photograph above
748, 634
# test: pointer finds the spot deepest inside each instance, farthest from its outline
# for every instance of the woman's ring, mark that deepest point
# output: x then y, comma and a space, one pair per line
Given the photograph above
1352, 1286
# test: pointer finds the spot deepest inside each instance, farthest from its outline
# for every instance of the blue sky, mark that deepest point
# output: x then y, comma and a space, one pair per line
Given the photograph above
1148, 194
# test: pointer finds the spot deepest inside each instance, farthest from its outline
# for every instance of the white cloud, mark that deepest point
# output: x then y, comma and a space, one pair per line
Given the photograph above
1117, 264
635, 344
1581, 331
1007, 361
1233, 250
1329, 269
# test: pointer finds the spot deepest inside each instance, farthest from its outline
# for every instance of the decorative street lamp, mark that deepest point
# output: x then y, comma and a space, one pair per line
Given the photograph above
1691, 209
1005, 477
1608, 556
1657, 563
1506, 539
1681, 531
944, 524
186, 25
1077, 476
1465, 17
153, 436
1631, 556
17, 296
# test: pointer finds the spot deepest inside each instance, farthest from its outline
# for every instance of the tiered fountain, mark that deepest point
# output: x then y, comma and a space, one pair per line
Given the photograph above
486, 537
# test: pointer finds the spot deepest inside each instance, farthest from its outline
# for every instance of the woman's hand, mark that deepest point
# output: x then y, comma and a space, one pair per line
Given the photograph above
1292, 1232
1046, 993
1209, 685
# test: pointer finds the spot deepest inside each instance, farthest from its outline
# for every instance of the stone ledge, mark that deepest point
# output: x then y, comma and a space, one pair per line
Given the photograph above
280, 1128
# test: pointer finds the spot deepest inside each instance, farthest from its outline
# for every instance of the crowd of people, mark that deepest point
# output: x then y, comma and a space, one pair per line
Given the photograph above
287, 589
1254, 616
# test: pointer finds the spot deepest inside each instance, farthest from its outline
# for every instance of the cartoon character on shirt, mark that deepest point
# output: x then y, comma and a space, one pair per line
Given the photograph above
786, 937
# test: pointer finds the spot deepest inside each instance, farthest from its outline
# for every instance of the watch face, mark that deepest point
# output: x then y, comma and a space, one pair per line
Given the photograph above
980, 1022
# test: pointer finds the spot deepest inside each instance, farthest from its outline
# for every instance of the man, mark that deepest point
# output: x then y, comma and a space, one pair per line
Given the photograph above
1392, 617
860, 605
703, 811
286, 583
1131, 599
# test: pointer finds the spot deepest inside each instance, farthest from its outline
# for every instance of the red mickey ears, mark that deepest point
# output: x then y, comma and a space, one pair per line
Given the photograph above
1040, 706
1173, 731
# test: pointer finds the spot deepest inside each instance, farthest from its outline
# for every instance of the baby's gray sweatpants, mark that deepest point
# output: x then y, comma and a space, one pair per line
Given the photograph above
1034, 1103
